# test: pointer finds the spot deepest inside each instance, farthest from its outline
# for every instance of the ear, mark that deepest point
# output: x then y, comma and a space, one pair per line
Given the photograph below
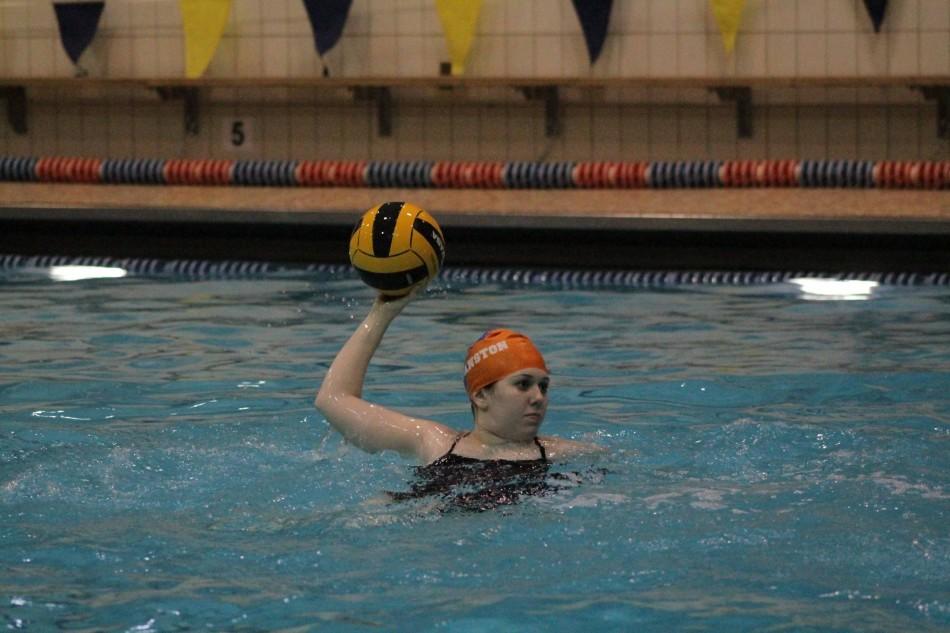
480, 398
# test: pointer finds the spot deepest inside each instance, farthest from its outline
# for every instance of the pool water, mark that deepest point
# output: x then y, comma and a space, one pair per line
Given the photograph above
777, 461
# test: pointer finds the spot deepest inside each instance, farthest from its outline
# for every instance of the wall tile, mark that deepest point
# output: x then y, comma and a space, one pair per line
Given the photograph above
465, 131
903, 54
608, 64
355, 55
409, 19
750, 58
782, 55
812, 16
521, 133
18, 60
493, 131
903, 132
664, 132
411, 58
691, 55
547, 55
812, 133
120, 143
303, 131
935, 53
577, 136
843, 132
931, 147
812, 55
520, 61
631, 16
302, 57
275, 62
40, 16
328, 139
171, 59
437, 136
408, 128
16, 21
663, 55
606, 134
491, 21
547, 17
435, 51
382, 17
43, 132
575, 60
843, 15
841, 54
635, 56
250, 57
934, 15
872, 55
41, 53
691, 16
783, 38
754, 19
223, 64
693, 133
782, 16
903, 16
663, 17
382, 61
274, 19
519, 17
358, 131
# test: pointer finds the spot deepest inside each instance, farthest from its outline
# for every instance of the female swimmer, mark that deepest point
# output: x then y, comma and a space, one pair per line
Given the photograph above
507, 383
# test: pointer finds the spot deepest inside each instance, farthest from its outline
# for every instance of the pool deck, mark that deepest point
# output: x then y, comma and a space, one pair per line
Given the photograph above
637, 228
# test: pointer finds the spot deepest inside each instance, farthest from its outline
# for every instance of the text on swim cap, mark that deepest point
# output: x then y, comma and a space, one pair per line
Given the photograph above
482, 354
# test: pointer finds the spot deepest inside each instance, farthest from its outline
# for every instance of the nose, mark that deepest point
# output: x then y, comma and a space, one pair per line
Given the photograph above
537, 394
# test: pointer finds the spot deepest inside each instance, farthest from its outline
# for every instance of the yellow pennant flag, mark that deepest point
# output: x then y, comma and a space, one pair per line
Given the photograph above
204, 22
459, 18
728, 14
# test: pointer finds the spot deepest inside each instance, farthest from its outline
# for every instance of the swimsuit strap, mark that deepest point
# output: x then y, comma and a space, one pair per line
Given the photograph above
457, 438
544, 456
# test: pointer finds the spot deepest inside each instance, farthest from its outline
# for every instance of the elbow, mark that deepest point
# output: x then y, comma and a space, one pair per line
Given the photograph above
322, 401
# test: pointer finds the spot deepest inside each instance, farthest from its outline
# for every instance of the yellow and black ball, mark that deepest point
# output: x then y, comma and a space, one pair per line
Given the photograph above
397, 246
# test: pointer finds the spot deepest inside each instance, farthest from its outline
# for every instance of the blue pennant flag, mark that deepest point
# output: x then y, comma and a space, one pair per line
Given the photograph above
78, 22
327, 18
594, 16
876, 9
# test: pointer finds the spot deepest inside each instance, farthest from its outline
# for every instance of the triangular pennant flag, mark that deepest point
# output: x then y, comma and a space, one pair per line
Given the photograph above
876, 9
459, 18
204, 22
327, 18
78, 22
594, 16
728, 14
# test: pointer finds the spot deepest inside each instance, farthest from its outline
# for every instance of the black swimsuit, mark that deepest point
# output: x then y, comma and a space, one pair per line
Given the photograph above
466, 483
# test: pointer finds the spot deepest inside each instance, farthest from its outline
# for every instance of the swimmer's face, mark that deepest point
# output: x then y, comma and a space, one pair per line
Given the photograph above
516, 404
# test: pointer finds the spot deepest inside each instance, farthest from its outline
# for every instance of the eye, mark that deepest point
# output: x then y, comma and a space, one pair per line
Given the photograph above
544, 386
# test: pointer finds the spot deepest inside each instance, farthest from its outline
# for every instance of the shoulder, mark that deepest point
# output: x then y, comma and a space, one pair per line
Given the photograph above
560, 448
435, 441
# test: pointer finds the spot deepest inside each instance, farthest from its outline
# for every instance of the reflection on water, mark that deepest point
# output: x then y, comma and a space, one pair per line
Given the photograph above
775, 462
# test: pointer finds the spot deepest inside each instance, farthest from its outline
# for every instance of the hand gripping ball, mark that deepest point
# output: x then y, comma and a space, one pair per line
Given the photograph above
397, 246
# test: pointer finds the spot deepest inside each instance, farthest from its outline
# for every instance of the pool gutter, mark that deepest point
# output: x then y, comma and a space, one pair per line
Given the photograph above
682, 241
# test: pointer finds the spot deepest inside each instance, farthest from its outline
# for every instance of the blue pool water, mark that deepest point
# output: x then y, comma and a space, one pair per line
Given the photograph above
779, 459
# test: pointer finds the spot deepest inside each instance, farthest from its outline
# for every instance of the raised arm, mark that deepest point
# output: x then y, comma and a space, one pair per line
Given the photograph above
369, 426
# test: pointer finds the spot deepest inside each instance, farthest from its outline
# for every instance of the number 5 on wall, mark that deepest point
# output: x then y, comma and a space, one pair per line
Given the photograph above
238, 135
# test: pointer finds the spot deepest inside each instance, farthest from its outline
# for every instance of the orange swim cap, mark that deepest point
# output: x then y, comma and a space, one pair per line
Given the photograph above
495, 355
